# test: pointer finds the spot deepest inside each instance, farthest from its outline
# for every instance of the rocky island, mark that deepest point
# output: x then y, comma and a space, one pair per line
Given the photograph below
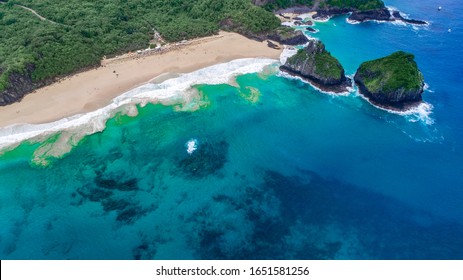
382, 14
316, 65
359, 10
391, 82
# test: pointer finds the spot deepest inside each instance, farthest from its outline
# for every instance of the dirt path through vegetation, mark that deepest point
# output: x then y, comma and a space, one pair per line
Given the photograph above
33, 12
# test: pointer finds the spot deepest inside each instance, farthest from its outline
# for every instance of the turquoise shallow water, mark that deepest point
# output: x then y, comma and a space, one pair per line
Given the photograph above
280, 170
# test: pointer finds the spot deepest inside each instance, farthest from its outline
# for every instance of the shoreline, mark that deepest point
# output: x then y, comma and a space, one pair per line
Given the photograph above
93, 89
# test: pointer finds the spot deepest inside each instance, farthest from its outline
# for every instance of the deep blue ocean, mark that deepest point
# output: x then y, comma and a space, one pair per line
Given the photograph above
260, 166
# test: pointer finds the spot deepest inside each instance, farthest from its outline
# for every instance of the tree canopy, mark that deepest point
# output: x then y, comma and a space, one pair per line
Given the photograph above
78, 33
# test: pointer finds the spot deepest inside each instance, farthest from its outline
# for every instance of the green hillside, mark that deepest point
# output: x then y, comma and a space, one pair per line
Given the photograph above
78, 33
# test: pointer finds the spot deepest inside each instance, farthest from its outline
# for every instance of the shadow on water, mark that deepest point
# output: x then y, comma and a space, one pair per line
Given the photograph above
315, 218
208, 159
115, 193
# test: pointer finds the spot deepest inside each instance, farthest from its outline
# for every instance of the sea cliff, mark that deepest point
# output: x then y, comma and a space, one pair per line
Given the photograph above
392, 82
318, 66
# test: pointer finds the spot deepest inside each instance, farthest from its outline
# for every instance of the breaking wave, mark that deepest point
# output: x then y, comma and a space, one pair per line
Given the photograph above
170, 92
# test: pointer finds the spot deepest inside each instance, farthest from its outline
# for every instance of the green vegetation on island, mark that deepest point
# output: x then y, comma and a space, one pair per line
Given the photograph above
60, 37
328, 66
398, 70
317, 65
324, 65
393, 79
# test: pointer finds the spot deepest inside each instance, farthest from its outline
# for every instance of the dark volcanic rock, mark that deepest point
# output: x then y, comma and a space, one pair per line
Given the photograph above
311, 29
378, 14
283, 34
392, 82
270, 44
19, 85
288, 36
324, 14
398, 16
381, 14
316, 65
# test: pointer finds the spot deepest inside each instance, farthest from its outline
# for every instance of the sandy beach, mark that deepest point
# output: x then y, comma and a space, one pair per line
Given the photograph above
93, 89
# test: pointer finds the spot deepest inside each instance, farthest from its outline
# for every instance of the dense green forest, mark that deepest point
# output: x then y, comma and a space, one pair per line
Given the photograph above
77, 33
391, 73
64, 36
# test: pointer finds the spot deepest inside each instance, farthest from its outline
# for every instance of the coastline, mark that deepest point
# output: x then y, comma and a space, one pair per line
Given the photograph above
93, 89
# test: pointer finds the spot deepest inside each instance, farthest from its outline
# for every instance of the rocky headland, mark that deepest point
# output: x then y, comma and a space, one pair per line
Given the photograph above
392, 82
360, 11
287, 36
382, 14
316, 65
398, 16
357, 16
283, 34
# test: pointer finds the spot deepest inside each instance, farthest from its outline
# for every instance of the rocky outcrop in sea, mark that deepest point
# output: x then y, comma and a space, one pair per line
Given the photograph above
356, 16
392, 82
316, 65
377, 14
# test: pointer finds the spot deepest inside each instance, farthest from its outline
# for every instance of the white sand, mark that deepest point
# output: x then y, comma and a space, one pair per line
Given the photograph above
93, 89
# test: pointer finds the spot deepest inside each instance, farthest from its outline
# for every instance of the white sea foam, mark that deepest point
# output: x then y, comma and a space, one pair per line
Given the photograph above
405, 16
426, 87
352, 21
287, 53
306, 16
393, 9
288, 23
291, 77
420, 113
169, 92
314, 32
301, 26
397, 22
191, 146
322, 19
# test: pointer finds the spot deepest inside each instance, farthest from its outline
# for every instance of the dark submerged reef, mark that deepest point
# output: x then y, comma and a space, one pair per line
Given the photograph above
208, 159
307, 210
